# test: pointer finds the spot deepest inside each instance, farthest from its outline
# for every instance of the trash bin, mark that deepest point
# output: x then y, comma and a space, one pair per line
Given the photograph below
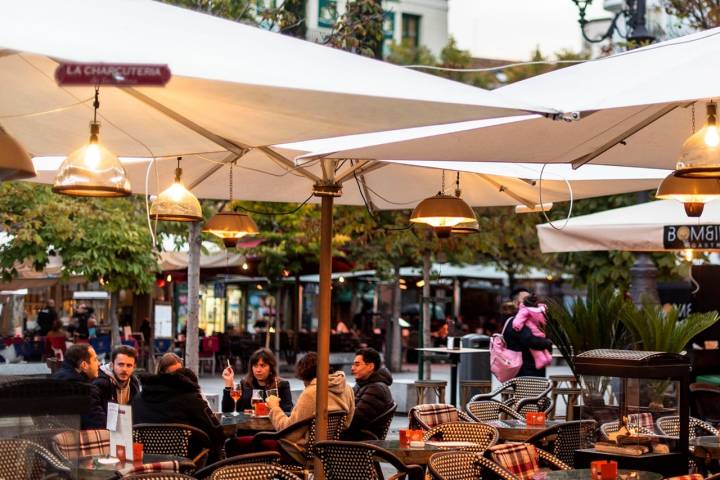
475, 366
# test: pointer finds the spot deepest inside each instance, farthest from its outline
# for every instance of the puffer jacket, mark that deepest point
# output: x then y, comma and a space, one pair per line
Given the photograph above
107, 385
372, 398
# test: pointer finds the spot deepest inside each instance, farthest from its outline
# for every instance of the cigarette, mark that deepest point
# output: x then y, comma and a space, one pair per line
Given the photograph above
228, 360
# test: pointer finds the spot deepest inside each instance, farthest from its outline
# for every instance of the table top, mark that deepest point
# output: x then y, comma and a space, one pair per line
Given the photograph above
519, 431
453, 350
408, 455
242, 421
584, 474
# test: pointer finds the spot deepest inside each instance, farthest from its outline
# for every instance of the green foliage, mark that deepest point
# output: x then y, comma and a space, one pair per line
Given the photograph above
590, 323
360, 29
102, 239
698, 14
656, 328
237, 10
407, 54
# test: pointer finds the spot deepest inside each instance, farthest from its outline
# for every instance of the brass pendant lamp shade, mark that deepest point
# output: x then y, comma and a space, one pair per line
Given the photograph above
692, 192
92, 170
231, 226
700, 155
443, 211
15, 162
465, 228
176, 203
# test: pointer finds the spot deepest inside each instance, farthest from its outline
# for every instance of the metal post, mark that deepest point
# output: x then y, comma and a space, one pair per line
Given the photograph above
323, 338
192, 344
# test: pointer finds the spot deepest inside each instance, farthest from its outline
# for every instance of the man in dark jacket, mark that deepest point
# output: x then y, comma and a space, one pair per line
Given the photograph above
175, 398
116, 382
46, 317
81, 365
524, 340
372, 391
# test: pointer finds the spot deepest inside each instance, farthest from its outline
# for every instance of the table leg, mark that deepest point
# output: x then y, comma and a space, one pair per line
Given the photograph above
454, 360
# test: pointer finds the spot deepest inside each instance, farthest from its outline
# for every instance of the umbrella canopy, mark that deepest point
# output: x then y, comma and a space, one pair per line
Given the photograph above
654, 226
631, 109
233, 85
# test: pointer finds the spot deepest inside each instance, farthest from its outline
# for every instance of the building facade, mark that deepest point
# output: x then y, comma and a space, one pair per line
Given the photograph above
420, 22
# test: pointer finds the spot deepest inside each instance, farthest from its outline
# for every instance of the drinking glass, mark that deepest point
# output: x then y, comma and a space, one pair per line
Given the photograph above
257, 397
235, 394
272, 391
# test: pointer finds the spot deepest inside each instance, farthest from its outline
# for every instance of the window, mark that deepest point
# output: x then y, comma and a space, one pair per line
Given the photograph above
411, 29
327, 13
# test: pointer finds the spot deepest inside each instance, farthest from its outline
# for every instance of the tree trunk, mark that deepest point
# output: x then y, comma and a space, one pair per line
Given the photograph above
393, 348
192, 344
114, 324
151, 341
511, 280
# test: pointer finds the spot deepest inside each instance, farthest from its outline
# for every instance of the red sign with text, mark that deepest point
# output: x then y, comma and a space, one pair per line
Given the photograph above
121, 74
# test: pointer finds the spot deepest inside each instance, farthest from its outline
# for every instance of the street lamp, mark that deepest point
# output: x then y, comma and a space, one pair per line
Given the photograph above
634, 14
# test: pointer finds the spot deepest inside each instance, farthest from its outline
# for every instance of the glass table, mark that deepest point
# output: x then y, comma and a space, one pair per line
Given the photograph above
585, 474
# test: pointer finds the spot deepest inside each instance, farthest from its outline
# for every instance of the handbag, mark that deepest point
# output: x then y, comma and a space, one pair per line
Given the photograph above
504, 363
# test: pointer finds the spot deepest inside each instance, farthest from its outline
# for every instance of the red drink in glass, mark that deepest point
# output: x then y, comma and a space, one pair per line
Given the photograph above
137, 452
120, 453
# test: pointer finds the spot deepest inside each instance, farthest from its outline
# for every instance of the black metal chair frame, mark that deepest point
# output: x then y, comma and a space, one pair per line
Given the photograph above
515, 385
380, 423
485, 436
198, 446
555, 435
411, 472
262, 457
250, 471
501, 408
475, 462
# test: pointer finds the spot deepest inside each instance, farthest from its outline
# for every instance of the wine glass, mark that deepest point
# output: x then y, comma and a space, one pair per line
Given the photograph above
235, 394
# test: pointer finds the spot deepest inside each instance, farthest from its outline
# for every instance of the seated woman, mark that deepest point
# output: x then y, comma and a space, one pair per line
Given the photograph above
168, 363
175, 398
262, 375
340, 397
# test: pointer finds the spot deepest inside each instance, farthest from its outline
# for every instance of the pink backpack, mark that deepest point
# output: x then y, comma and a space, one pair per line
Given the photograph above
504, 363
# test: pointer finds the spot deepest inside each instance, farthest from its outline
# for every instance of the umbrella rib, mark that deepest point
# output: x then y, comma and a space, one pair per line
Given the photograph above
506, 191
209, 172
359, 168
287, 163
579, 162
238, 149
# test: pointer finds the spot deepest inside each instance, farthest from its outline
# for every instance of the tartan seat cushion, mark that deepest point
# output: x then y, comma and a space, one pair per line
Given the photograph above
434, 414
519, 458
74, 444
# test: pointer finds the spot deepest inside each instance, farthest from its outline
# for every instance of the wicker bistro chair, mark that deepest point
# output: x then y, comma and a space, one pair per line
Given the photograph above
345, 460
521, 391
24, 459
563, 439
485, 436
376, 429
158, 476
174, 439
670, 426
73, 444
262, 457
524, 459
485, 410
253, 471
429, 415
465, 466
336, 422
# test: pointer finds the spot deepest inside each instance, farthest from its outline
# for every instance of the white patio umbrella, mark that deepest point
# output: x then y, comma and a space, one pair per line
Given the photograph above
655, 226
629, 109
234, 88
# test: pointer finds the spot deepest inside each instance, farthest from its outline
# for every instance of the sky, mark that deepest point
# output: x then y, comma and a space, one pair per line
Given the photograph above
511, 29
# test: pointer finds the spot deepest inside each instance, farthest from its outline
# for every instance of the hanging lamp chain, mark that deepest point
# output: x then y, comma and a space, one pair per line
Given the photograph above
178, 170
457, 184
693, 117
94, 125
442, 189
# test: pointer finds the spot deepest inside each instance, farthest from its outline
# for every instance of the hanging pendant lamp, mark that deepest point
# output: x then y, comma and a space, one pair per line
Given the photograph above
15, 162
700, 154
176, 203
231, 226
692, 192
92, 170
443, 211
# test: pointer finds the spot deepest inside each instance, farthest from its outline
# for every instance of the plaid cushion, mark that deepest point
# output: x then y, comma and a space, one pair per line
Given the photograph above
694, 476
642, 420
165, 466
519, 458
82, 443
435, 414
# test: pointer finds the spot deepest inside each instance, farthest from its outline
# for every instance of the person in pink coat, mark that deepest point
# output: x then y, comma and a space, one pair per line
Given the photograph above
532, 315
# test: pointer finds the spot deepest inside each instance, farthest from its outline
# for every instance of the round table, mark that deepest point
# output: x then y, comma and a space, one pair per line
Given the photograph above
584, 474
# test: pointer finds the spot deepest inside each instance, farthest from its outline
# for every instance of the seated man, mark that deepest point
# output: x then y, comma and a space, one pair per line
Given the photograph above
116, 381
372, 391
81, 365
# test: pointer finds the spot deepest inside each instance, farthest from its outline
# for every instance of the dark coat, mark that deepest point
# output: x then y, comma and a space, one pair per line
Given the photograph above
524, 341
106, 385
174, 398
372, 398
95, 416
45, 320
244, 403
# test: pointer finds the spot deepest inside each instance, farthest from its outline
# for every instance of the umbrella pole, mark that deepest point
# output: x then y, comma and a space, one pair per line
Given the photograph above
323, 338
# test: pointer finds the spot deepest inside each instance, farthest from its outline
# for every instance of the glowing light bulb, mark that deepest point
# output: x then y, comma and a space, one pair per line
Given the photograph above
341, 280
176, 191
688, 254
92, 156
245, 266
712, 137
169, 278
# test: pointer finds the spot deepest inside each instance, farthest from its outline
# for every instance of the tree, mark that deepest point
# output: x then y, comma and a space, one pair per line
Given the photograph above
406, 53
360, 29
698, 14
104, 240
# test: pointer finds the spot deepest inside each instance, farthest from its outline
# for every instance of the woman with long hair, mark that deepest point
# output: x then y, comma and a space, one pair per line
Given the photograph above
262, 375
